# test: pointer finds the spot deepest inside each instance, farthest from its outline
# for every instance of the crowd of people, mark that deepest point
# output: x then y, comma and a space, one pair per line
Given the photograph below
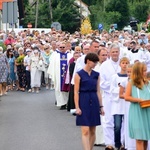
101, 78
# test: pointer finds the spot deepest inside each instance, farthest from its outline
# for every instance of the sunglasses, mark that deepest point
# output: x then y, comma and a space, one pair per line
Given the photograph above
61, 47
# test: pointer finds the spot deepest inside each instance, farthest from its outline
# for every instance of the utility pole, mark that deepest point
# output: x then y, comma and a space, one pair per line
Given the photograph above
80, 13
37, 12
51, 11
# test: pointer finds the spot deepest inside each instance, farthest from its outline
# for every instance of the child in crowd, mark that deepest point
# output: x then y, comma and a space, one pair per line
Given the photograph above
117, 109
129, 143
138, 89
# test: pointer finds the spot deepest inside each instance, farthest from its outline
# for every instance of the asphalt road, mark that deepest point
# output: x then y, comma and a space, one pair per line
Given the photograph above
30, 121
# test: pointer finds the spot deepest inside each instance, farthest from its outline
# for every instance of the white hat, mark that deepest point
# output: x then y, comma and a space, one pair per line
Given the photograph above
28, 50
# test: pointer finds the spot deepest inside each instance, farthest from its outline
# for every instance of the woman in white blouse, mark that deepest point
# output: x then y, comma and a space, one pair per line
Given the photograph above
35, 72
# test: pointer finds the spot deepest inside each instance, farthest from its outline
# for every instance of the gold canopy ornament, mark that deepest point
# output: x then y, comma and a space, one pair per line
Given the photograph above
86, 27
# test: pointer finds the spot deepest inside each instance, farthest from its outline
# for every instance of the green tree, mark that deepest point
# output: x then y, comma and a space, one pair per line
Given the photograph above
140, 10
64, 12
90, 2
105, 18
67, 14
136, 1
120, 6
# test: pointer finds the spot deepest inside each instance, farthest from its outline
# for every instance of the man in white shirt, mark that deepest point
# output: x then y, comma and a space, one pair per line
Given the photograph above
107, 69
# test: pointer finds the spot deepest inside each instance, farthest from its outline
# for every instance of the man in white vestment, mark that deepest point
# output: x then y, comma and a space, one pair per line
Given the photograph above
93, 47
103, 56
57, 70
107, 69
134, 53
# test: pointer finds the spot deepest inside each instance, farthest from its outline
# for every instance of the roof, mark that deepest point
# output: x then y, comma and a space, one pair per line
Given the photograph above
1, 1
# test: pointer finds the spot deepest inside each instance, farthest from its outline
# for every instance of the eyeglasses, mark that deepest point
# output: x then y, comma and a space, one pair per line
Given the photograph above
46, 48
61, 47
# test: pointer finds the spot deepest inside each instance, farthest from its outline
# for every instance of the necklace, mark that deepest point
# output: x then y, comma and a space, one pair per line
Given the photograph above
115, 66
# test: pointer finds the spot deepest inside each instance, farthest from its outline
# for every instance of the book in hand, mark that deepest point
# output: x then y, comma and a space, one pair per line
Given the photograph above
145, 103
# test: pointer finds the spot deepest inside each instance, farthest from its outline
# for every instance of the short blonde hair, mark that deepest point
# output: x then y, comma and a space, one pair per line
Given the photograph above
77, 48
124, 59
20, 49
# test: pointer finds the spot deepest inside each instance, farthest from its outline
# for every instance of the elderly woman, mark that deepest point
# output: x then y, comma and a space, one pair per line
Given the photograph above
46, 54
35, 72
19, 62
3, 72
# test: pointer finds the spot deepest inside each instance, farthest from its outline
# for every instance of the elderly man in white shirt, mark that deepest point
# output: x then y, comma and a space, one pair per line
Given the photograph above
107, 69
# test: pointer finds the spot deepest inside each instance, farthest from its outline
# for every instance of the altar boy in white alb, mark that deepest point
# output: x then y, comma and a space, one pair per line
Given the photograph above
118, 104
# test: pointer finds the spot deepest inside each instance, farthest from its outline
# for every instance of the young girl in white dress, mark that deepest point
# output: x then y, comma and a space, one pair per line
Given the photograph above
129, 143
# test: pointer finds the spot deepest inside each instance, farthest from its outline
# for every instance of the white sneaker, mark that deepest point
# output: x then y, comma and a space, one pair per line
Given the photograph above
47, 87
29, 90
5, 93
37, 91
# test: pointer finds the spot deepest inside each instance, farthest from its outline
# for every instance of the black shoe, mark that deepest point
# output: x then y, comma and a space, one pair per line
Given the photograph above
55, 102
122, 148
101, 145
63, 107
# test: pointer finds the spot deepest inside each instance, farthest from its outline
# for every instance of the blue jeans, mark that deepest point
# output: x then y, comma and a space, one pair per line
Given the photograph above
117, 130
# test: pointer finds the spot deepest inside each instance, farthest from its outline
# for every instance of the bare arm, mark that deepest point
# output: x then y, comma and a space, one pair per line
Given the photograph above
99, 93
100, 97
121, 92
128, 96
76, 93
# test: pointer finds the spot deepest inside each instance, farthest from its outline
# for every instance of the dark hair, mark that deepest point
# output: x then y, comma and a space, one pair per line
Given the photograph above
7, 53
92, 57
99, 51
94, 41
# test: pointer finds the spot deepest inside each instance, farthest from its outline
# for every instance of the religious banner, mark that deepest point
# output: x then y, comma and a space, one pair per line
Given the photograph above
86, 27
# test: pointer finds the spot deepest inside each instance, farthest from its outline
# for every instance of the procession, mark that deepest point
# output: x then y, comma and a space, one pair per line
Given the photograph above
100, 78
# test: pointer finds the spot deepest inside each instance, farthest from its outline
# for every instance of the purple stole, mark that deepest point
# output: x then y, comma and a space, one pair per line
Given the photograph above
63, 69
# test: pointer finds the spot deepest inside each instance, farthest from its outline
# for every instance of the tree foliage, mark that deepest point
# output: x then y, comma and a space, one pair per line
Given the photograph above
120, 7
64, 12
102, 11
140, 10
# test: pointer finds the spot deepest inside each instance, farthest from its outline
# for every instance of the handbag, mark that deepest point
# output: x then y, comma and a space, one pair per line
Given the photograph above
41, 66
145, 103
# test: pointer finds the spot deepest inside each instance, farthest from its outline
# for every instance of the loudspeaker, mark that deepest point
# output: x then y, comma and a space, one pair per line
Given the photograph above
21, 9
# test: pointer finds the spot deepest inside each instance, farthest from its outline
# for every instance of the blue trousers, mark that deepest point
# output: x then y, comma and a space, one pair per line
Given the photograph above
117, 130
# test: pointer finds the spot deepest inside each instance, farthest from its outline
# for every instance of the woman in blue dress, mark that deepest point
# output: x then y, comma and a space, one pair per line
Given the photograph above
88, 102
138, 89
11, 62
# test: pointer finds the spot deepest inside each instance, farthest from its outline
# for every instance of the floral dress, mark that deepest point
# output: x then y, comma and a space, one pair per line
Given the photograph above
21, 72
3, 69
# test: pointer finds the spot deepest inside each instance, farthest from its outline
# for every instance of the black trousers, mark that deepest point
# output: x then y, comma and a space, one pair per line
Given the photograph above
28, 79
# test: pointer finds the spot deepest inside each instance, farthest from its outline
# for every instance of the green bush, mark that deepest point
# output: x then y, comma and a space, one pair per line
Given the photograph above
3, 46
105, 18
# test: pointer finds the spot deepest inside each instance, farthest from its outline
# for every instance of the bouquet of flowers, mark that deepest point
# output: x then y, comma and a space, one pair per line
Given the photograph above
20, 59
